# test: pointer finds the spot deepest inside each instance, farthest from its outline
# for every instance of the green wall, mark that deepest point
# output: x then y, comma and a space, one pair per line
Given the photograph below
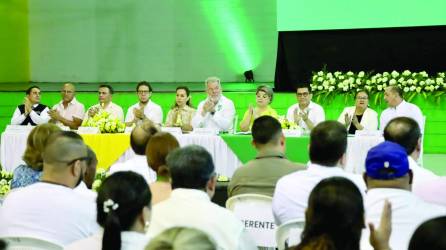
435, 133
14, 59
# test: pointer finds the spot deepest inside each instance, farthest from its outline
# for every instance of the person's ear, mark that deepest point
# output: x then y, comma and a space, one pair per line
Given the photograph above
211, 184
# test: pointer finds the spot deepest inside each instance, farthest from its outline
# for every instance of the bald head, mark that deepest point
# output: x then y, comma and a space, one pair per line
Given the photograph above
140, 136
404, 131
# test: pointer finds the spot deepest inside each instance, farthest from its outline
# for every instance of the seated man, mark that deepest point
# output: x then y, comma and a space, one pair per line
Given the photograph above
105, 93
50, 209
393, 95
69, 111
31, 112
388, 177
306, 114
145, 109
260, 175
139, 138
193, 181
328, 143
217, 111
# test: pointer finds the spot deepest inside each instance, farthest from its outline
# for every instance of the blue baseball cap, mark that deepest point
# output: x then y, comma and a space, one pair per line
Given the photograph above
386, 161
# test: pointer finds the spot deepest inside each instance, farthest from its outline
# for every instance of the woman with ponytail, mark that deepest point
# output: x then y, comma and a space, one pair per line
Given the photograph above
123, 211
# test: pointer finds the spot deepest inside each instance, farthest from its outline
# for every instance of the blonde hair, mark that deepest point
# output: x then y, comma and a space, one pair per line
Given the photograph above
183, 238
36, 143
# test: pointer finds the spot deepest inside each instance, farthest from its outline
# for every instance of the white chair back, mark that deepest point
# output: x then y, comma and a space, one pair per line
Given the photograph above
255, 211
288, 234
28, 243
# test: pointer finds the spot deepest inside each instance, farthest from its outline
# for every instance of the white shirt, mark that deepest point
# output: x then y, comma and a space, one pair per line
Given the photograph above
113, 109
433, 191
152, 111
408, 212
420, 174
129, 241
222, 120
137, 164
290, 197
403, 109
74, 109
18, 118
193, 208
83, 190
369, 119
47, 211
316, 114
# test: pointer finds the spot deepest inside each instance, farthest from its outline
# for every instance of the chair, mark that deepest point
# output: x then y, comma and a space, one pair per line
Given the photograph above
288, 234
255, 211
28, 243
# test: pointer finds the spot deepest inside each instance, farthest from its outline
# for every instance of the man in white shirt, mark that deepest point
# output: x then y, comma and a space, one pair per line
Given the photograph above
406, 132
105, 93
68, 111
139, 138
50, 209
328, 143
305, 113
145, 109
216, 112
397, 107
31, 112
189, 205
388, 177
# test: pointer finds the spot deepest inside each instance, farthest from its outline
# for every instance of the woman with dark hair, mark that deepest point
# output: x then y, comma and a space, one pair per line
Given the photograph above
360, 116
182, 112
334, 218
264, 97
123, 211
158, 147
430, 235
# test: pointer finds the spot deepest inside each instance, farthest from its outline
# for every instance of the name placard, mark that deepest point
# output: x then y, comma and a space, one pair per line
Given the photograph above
205, 131
88, 130
172, 130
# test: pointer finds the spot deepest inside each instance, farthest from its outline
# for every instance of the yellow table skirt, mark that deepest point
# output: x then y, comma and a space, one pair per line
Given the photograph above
108, 147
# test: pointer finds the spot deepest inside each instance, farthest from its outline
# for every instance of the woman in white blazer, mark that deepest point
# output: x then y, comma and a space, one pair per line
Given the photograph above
360, 116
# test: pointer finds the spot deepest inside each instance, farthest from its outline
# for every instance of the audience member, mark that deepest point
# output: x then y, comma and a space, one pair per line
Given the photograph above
145, 109
264, 97
335, 218
139, 138
306, 114
406, 132
360, 116
105, 93
182, 112
259, 176
193, 182
31, 112
388, 177
397, 107
31, 171
328, 143
50, 209
182, 238
84, 188
68, 112
216, 112
158, 147
123, 211
430, 235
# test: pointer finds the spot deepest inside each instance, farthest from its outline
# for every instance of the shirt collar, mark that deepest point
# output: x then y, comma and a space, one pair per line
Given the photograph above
270, 154
399, 106
189, 193
73, 101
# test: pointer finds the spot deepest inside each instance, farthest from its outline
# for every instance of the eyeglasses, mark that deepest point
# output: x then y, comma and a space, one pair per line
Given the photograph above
143, 91
303, 94
362, 98
84, 158
67, 92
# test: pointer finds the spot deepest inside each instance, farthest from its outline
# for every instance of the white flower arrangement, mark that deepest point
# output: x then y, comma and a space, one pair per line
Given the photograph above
287, 124
5, 182
329, 84
105, 123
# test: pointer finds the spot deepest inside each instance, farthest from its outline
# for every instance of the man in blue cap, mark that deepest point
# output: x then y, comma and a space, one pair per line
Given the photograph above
388, 177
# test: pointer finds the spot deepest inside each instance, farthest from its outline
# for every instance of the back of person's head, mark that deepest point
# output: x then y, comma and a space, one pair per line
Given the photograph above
430, 235
141, 135
328, 143
35, 145
334, 216
405, 131
123, 199
182, 238
158, 147
63, 149
92, 162
266, 129
190, 167
3, 245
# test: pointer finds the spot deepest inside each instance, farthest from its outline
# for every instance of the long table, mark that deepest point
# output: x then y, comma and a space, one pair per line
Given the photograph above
228, 151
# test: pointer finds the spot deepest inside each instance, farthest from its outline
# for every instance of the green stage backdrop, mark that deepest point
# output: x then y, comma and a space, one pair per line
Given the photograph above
434, 141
